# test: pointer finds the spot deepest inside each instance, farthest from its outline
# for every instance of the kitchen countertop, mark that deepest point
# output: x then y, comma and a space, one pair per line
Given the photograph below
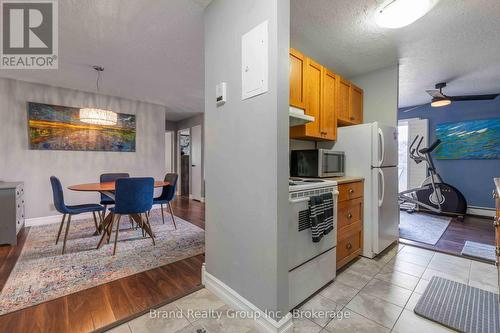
349, 179
497, 184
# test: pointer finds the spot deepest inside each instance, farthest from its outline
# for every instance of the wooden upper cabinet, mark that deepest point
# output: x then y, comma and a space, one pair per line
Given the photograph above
328, 121
356, 115
314, 82
297, 79
344, 100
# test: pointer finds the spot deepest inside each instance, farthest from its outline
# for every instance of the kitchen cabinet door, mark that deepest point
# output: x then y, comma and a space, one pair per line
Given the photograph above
356, 111
344, 104
297, 79
328, 122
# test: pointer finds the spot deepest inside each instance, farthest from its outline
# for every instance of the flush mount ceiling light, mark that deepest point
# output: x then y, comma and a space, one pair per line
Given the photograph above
400, 13
97, 116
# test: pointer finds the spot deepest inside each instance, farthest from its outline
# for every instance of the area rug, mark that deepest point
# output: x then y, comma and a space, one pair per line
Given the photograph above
479, 250
423, 228
460, 307
42, 273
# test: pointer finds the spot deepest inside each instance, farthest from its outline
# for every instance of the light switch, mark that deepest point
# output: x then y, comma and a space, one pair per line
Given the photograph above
255, 61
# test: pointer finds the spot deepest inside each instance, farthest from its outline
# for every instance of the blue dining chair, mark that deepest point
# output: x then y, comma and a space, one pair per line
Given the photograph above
167, 195
133, 197
107, 178
69, 211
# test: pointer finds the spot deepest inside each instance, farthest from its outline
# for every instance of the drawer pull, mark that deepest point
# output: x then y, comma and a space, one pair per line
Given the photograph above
349, 215
496, 222
351, 191
348, 246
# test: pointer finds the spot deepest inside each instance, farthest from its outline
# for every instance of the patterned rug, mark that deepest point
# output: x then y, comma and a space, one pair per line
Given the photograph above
42, 273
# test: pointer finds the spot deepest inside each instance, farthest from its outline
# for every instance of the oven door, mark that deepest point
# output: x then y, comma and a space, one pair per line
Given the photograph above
332, 163
301, 248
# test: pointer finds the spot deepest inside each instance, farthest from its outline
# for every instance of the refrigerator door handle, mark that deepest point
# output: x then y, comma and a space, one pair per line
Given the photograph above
381, 147
382, 185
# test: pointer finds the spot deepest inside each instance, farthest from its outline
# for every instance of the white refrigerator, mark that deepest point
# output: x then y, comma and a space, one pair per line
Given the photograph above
371, 151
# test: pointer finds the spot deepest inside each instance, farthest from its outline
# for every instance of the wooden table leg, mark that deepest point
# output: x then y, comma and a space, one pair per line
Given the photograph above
137, 218
104, 226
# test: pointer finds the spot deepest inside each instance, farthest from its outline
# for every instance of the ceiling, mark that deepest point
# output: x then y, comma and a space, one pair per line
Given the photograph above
151, 51
457, 42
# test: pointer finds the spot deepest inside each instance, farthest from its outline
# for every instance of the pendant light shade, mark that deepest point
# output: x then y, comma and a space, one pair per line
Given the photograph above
98, 116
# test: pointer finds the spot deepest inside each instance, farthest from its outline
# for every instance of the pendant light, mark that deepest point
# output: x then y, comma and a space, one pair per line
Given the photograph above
97, 116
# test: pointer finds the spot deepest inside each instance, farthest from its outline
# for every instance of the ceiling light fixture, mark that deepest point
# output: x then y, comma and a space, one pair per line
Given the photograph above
400, 13
438, 102
97, 116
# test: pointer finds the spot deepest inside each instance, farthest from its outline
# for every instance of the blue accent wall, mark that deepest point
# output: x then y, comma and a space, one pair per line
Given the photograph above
474, 178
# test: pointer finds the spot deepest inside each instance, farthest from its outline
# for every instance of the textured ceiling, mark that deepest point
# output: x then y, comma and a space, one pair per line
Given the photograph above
152, 50
458, 42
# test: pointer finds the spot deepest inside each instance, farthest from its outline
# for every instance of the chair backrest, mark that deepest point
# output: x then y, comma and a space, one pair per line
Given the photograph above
134, 195
58, 195
111, 177
168, 192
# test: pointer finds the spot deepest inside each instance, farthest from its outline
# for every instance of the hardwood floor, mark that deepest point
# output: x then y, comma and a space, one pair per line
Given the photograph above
103, 306
472, 228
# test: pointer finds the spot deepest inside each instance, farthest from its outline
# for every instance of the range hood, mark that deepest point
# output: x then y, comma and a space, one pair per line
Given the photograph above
297, 117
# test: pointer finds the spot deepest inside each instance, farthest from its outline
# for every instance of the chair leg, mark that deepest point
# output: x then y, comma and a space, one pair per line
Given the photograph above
162, 213
60, 228
149, 225
96, 224
66, 234
172, 213
118, 217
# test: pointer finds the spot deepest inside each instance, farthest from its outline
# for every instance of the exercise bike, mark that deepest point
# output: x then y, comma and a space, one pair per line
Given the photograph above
433, 196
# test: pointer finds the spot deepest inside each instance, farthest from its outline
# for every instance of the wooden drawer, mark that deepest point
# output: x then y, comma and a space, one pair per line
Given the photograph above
349, 212
350, 191
350, 245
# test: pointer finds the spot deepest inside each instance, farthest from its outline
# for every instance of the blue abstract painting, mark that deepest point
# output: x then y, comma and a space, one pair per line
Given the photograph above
469, 140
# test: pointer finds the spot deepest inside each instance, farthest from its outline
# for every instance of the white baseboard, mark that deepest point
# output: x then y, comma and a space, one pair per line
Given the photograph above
43, 220
481, 211
232, 298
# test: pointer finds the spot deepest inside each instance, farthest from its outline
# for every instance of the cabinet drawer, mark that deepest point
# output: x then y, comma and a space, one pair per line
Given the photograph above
350, 246
349, 212
350, 191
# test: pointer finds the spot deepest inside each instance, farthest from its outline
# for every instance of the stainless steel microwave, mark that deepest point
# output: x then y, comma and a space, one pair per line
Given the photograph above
317, 163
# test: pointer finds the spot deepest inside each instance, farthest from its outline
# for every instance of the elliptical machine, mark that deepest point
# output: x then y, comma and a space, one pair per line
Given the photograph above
433, 196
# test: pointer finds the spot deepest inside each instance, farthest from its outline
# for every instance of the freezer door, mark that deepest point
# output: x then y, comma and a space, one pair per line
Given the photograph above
385, 145
385, 208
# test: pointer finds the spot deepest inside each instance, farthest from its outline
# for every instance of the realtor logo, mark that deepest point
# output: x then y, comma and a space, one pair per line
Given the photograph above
29, 38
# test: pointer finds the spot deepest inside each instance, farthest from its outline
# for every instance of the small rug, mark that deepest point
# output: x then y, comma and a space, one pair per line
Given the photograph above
424, 228
42, 273
479, 250
460, 307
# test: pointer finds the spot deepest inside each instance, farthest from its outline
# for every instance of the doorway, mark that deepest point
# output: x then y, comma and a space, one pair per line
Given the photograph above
183, 162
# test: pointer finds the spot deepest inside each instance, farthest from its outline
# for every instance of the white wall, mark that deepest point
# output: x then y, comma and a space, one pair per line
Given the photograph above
34, 167
246, 160
380, 95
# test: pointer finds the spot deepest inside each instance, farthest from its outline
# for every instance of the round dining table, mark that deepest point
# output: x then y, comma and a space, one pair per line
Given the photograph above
108, 189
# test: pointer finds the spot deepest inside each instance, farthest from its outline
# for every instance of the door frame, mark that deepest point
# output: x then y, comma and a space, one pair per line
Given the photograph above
178, 162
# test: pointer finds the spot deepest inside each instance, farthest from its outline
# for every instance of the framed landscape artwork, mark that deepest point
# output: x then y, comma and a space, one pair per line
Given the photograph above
469, 140
54, 127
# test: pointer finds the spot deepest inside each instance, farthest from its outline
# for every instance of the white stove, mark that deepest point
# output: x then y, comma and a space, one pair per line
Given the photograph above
311, 265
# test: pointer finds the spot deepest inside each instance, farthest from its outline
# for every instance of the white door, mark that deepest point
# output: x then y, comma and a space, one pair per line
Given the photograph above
385, 207
385, 145
196, 161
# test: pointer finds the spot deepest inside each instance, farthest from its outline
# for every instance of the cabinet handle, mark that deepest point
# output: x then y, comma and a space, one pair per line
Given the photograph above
352, 118
495, 194
496, 222
349, 215
348, 246
351, 191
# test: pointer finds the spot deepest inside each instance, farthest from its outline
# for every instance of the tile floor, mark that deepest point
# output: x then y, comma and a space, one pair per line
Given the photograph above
374, 295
